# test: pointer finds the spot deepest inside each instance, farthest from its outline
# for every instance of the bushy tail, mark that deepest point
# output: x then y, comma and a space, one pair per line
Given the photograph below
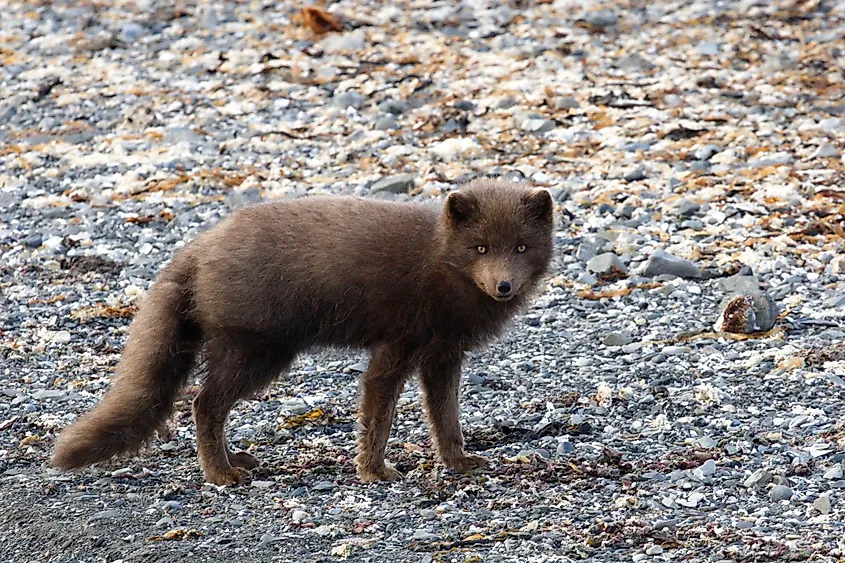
158, 358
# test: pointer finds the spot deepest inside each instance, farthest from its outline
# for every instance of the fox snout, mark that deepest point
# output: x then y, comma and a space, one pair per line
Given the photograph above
504, 288
499, 281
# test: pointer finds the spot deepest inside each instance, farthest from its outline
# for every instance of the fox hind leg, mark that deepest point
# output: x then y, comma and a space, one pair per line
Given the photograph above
381, 385
237, 368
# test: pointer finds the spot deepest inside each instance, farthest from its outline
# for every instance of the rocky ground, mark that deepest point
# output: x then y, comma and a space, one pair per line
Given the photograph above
685, 141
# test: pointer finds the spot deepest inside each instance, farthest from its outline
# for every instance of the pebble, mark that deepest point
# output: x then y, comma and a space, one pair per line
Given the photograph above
747, 311
676, 350
663, 263
779, 493
584, 252
601, 19
298, 516
538, 125
166, 522
397, 184
822, 504
834, 473
606, 263
826, 150
617, 339
707, 468
686, 208
344, 43
103, 515
654, 550
587, 279
49, 394
386, 123
348, 99
172, 506
636, 174
760, 478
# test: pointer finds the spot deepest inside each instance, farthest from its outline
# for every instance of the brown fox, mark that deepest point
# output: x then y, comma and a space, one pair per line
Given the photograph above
415, 285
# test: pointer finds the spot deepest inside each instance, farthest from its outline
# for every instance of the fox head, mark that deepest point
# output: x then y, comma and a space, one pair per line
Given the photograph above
499, 235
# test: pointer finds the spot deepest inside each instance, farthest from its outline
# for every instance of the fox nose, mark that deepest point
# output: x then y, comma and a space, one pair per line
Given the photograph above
504, 287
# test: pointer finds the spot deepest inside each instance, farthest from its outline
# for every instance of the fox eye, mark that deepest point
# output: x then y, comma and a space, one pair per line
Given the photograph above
520, 248
481, 249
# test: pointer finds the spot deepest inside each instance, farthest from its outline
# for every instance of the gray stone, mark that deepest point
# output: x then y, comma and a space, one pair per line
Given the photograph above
661, 262
634, 61
834, 473
617, 339
537, 125
606, 263
266, 540
33, 241
398, 184
686, 208
584, 252
131, 32
209, 18
240, 198
104, 515
601, 19
423, 535
706, 152
779, 493
826, 150
386, 123
174, 135
345, 42
709, 48
760, 478
49, 394
705, 442
565, 102
706, 469
294, 406
166, 522
747, 311
393, 106
636, 175
822, 504
348, 99
587, 279
676, 350
836, 300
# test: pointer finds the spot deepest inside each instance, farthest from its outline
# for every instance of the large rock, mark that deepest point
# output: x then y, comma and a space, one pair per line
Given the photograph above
748, 309
662, 263
398, 184
607, 264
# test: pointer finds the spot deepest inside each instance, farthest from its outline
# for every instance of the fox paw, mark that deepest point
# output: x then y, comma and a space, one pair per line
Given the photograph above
243, 459
385, 472
228, 476
466, 463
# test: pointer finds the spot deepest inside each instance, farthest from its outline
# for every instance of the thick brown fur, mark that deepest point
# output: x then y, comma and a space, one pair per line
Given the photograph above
414, 285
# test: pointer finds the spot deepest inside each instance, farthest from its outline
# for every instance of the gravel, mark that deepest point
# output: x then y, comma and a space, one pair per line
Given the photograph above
620, 424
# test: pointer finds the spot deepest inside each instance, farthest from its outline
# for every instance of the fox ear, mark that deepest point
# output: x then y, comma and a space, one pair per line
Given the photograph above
460, 208
538, 204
